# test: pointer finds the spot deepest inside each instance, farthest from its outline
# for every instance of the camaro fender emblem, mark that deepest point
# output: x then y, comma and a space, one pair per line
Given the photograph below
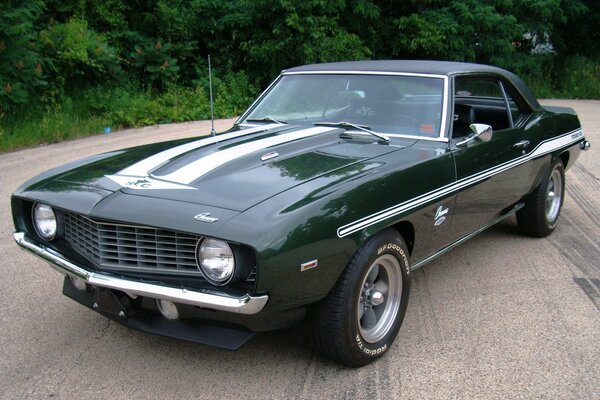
205, 217
440, 215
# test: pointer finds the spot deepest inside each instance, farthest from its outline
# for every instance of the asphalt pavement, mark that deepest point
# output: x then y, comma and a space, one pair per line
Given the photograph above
502, 316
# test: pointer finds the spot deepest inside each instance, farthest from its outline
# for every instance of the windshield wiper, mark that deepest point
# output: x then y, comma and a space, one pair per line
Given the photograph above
364, 128
265, 119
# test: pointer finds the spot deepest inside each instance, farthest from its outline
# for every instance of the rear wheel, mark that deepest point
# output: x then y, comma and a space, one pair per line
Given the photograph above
360, 318
542, 208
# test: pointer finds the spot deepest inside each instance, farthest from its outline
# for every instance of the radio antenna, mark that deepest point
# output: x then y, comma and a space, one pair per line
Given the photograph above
212, 112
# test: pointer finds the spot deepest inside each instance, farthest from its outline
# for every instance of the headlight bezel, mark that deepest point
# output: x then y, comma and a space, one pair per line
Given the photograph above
34, 221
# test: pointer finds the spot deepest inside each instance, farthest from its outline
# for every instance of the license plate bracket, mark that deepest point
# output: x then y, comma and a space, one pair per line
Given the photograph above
99, 299
106, 302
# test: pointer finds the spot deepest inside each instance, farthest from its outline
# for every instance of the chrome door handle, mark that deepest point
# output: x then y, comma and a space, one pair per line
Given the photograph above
522, 143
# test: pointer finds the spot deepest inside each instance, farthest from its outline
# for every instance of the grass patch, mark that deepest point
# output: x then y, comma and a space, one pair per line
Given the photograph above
90, 111
86, 112
54, 125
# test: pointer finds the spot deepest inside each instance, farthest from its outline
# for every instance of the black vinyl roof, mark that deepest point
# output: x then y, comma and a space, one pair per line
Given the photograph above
448, 68
411, 66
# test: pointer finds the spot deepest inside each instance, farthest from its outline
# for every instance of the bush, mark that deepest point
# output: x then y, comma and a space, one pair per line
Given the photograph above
75, 56
142, 107
580, 80
153, 61
89, 110
574, 78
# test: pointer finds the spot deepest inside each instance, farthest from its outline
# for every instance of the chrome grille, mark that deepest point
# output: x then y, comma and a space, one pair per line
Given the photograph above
132, 248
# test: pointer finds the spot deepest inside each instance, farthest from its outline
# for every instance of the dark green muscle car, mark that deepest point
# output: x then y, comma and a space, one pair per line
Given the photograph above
336, 183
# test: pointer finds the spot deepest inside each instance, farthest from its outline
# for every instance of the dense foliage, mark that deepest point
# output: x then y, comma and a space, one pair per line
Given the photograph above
130, 63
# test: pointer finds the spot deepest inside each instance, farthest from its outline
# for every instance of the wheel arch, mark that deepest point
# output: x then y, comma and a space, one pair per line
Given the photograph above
407, 231
564, 157
404, 228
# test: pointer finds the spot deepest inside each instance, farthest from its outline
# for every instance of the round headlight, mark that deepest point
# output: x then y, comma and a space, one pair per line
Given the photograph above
44, 221
215, 260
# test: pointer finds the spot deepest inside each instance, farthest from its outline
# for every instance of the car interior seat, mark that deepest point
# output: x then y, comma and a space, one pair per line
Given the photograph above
464, 116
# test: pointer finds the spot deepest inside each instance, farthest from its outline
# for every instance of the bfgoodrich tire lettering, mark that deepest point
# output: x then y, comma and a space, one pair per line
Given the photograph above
360, 318
542, 208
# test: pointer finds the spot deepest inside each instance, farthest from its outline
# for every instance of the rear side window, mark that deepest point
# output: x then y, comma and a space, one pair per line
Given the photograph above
478, 88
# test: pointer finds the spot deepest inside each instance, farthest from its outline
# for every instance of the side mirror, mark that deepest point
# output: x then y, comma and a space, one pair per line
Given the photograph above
482, 131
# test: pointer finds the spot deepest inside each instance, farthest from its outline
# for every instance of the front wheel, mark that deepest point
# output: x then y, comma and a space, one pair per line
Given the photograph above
360, 318
542, 208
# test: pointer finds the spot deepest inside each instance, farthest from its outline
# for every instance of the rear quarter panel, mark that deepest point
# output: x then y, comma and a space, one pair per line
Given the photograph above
548, 124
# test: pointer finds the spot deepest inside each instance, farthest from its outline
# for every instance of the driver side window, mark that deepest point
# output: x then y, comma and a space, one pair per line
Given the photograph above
479, 100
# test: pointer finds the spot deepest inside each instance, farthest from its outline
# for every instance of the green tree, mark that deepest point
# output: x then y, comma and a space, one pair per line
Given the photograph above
22, 72
51, 48
279, 34
579, 30
76, 55
459, 30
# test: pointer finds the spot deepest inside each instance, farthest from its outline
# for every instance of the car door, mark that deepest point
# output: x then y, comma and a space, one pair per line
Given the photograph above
490, 178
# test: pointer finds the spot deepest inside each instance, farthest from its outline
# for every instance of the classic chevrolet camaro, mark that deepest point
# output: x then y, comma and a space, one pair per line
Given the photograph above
337, 183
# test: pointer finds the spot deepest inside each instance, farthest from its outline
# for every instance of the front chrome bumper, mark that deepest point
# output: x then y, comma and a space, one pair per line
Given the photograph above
245, 304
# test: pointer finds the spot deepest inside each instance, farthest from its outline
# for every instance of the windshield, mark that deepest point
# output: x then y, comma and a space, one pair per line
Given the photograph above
407, 105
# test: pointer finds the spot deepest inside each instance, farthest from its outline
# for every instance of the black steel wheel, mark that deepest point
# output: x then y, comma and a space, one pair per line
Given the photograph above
542, 208
360, 318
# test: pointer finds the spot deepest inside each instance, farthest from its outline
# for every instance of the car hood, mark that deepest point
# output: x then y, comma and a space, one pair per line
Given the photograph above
234, 170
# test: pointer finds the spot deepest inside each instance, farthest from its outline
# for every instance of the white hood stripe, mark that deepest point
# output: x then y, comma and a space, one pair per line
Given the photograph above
144, 167
198, 168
